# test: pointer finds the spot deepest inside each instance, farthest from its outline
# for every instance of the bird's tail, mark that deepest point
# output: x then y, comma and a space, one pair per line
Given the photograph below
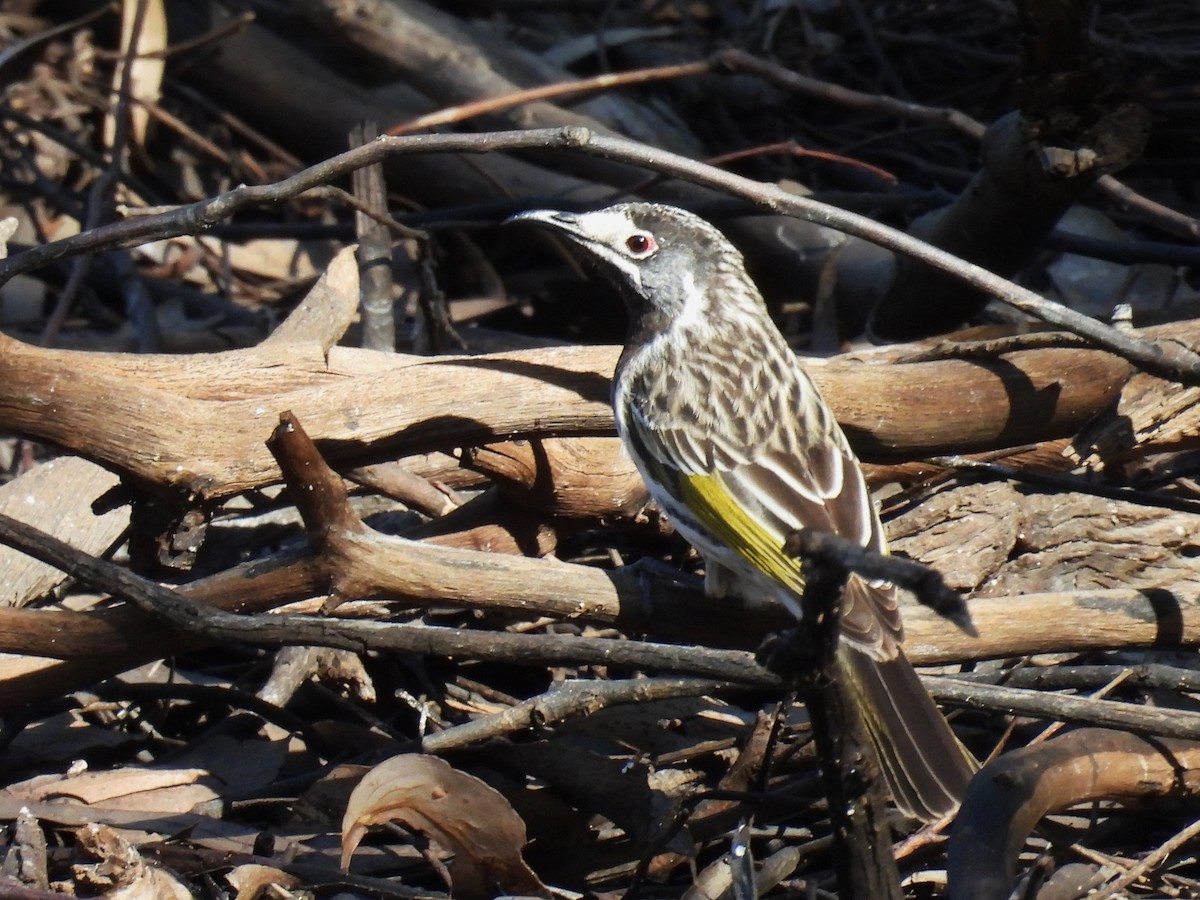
924, 763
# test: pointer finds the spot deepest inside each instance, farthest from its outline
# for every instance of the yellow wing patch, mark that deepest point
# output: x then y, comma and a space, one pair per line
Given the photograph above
712, 505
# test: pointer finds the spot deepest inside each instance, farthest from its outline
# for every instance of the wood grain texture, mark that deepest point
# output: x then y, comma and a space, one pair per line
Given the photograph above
1058, 622
198, 424
56, 497
998, 539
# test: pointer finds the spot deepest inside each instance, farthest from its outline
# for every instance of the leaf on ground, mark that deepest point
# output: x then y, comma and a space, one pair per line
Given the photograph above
455, 810
255, 881
121, 872
213, 770
56, 497
8, 227
145, 70
152, 790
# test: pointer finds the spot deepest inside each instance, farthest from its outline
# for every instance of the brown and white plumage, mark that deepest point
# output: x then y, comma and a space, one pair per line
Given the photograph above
736, 444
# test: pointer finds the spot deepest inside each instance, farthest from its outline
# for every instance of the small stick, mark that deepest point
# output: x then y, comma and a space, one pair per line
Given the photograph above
927, 584
857, 809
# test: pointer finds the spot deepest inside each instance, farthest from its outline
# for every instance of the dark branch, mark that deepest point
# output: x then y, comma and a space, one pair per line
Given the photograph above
926, 583
1166, 360
857, 806
216, 626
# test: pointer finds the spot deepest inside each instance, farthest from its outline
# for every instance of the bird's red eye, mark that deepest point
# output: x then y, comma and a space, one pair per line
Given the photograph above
640, 244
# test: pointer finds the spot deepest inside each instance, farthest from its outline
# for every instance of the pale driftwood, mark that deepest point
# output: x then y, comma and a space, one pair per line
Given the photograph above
95, 645
56, 497
198, 424
1151, 415
426, 494
570, 478
389, 479
966, 532
1150, 412
1063, 622
1076, 542
327, 310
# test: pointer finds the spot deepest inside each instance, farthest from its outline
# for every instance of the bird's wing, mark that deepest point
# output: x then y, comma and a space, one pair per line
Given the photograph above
751, 505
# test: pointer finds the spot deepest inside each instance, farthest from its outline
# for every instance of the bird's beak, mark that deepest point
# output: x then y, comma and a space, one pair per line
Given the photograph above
564, 221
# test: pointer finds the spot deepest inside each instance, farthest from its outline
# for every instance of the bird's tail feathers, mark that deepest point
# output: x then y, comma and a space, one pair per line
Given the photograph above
924, 763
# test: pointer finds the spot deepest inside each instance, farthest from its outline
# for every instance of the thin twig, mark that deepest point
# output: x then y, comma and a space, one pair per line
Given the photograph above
1174, 723
924, 582
605, 82
986, 349
1166, 360
1064, 481
1084, 677
565, 700
217, 626
1159, 855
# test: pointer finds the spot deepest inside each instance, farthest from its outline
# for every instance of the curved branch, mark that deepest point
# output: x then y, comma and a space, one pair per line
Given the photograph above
1008, 797
1169, 361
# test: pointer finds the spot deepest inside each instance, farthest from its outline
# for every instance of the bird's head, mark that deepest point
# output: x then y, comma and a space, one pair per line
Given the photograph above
668, 263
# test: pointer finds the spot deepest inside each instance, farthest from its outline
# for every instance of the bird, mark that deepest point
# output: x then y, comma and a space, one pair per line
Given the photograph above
739, 449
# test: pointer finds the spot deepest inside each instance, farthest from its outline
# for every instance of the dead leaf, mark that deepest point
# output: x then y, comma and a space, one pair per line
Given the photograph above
158, 790
122, 873
146, 69
94, 787
152, 884
8, 227
254, 881
458, 811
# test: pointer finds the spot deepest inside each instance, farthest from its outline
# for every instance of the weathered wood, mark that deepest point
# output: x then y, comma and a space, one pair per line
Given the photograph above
1151, 411
56, 497
1007, 798
1063, 622
966, 532
198, 424
94, 645
562, 477
898, 412
998, 539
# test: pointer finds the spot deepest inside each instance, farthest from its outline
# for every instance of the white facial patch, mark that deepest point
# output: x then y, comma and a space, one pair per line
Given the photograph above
605, 233
607, 227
